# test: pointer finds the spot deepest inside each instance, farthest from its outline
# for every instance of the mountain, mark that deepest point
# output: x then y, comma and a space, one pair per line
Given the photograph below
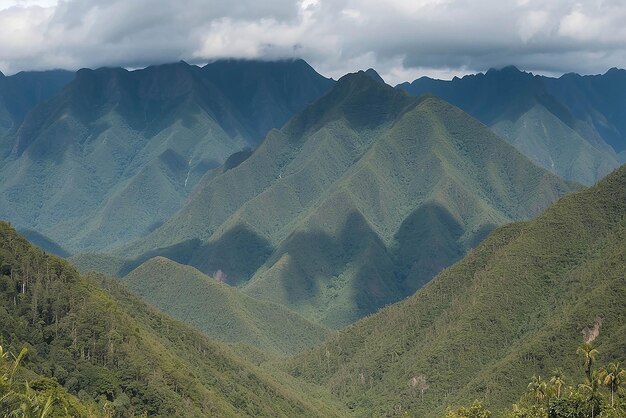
533, 113
116, 152
220, 311
374, 75
517, 305
599, 100
354, 204
121, 356
23, 91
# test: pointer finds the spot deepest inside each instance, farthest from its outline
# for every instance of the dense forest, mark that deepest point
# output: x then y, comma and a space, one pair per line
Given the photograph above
97, 349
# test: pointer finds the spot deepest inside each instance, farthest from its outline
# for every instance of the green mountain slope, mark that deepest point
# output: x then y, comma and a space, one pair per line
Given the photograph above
110, 348
527, 112
515, 306
220, 311
127, 147
354, 203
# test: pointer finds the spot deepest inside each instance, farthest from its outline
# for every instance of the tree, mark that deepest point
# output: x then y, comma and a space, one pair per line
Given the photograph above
477, 410
557, 381
612, 376
593, 397
589, 354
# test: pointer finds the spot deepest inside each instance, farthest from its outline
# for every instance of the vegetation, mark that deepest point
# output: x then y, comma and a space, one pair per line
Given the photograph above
220, 311
39, 399
354, 204
512, 308
110, 350
555, 398
133, 144
572, 126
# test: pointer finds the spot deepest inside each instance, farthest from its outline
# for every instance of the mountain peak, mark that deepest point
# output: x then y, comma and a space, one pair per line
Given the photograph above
362, 98
509, 69
1, 74
615, 71
374, 75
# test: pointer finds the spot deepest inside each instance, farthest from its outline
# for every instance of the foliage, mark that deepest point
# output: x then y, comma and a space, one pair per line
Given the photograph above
113, 154
476, 410
354, 204
111, 350
512, 308
220, 311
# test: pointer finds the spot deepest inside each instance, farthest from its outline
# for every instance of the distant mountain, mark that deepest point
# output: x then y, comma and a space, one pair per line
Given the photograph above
374, 75
518, 305
116, 152
220, 311
354, 204
599, 100
541, 117
20, 93
121, 356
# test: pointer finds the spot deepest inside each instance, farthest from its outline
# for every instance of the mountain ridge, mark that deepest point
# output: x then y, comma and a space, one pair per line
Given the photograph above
534, 115
345, 167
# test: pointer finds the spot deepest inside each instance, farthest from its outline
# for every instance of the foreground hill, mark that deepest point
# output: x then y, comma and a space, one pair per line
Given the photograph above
109, 348
116, 152
354, 204
220, 311
517, 305
570, 126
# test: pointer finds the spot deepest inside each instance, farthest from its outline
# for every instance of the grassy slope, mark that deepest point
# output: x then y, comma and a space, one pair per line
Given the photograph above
355, 203
220, 311
523, 109
513, 307
111, 345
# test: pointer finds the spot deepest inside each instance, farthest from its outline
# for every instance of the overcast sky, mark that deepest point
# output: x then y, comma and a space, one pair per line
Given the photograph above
402, 39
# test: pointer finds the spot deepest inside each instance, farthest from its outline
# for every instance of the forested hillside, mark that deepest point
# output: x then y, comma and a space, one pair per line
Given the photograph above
354, 204
117, 354
222, 312
516, 306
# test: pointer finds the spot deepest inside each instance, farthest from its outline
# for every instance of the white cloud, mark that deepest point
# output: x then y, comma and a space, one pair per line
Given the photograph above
400, 38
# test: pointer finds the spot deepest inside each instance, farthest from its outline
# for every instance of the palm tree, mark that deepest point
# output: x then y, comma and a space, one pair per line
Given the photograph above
537, 388
558, 381
612, 376
16, 401
589, 354
592, 389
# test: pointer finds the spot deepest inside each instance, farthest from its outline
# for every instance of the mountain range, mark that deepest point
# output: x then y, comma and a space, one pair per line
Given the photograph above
354, 204
116, 152
572, 125
255, 239
516, 305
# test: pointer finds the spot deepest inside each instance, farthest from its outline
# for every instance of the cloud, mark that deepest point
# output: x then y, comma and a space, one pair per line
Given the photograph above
402, 39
